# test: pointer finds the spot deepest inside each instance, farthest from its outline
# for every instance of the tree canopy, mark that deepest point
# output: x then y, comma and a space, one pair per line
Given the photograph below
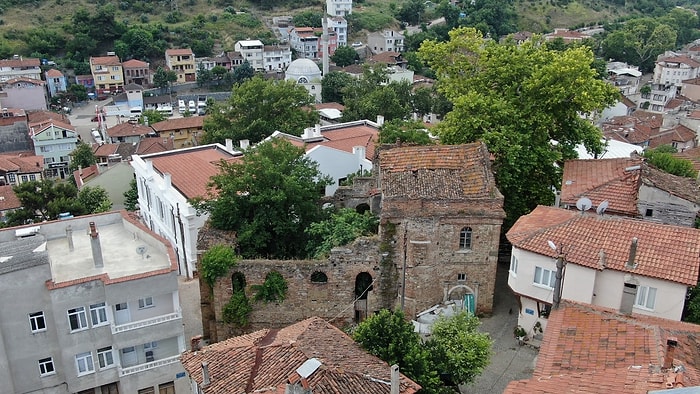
82, 156
333, 85
518, 99
343, 227
344, 56
268, 197
405, 132
257, 108
639, 42
370, 95
663, 159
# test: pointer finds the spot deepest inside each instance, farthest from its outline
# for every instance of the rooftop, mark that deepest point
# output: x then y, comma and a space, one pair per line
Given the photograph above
8, 198
665, 252
105, 61
128, 130
191, 122
266, 361
590, 349
179, 52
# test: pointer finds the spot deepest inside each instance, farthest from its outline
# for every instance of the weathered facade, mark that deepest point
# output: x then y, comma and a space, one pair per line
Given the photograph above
441, 217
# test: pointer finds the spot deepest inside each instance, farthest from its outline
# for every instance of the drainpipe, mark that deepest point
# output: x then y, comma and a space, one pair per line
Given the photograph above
182, 239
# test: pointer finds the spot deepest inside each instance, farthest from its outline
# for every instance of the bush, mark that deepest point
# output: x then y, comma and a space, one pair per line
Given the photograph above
274, 288
216, 263
237, 310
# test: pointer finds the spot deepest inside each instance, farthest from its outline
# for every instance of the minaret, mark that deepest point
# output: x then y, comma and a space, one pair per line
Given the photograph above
324, 39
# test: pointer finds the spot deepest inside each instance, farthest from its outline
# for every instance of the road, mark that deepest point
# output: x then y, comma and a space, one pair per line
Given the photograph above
416, 29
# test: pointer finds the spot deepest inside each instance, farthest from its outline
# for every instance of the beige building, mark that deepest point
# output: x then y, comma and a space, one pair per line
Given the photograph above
181, 60
108, 74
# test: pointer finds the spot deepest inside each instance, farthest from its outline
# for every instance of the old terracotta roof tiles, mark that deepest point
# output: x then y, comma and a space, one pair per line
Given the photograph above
105, 61
128, 130
266, 361
191, 122
665, 252
8, 198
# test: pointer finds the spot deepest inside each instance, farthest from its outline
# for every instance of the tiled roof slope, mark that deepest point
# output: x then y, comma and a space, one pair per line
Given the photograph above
600, 180
437, 172
266, 361
665, 252
21, 164
105, 61
679, 186
179, 123
589, 349
8, 198
190, 169
129, 130
35, 118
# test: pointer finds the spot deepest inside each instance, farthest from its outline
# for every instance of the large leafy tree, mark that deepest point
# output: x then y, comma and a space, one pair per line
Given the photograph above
94, 200
639, 41
268, 198
344, 56
131, 196
663, 159
257, 108
370, 95
333, 84
403, 131
340, 229
243, 72
162, 78
82, 156
518, 99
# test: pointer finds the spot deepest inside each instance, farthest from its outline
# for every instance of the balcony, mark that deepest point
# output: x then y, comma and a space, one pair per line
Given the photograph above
149, 365
146, 322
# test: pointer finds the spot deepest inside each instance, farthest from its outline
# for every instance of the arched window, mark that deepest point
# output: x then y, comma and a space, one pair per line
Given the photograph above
465, 238
302, 80
319, 277
237, 282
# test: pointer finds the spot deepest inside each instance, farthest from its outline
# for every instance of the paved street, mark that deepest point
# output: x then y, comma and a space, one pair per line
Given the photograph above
509, 361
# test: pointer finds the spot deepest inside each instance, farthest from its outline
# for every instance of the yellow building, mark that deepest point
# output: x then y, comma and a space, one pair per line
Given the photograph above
183, 132
182, 62
108, 74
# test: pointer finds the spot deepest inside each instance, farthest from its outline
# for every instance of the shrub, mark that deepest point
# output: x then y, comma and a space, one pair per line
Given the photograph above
216, 263
237, 310
273, 289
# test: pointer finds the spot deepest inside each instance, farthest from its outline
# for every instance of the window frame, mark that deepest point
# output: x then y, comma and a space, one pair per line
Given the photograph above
513, 269
461, 277
43, 364
145, 304
643, 294
96, 313
34, 319
552, 277
83, 322
105, 354
88, 361
465, 238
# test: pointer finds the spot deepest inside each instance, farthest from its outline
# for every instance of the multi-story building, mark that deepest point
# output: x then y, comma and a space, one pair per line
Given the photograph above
672, 69
181, 61
385, 41
182, 132
138, 72
26, 93
54, 141
55, 82
252, 52
166, 183
339, 7
18, 168
19, 67
99, 310
340, 27
107, 74
276, 57
14, 131
305, 42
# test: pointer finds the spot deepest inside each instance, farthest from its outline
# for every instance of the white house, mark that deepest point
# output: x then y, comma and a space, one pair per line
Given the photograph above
252, 52
339, 7
672, 68
166, 182
634, 266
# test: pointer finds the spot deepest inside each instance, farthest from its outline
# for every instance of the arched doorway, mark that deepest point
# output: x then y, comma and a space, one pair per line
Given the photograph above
362, 208
465, 294
363, 285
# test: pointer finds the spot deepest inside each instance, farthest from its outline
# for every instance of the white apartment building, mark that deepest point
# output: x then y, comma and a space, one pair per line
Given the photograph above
339, 7
252, 51
92, 306
276, 57
166, 182
385, 41
672, 69
340, 27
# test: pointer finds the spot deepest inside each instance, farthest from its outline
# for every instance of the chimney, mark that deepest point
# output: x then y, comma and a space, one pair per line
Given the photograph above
308, 132
671, 345
633, 254
229, 145
380, 120
360, 152
205, 374
69, 236
194, 342
317, 130
96, 247
244, 144
395, 385
167, 180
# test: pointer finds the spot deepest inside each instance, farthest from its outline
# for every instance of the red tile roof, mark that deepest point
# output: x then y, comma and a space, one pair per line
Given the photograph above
53, 73
134, 63
21, 62
266, 361
128, 130
191, 122
8, 199
179, 52
22, 164
41, 127
337, 106
35, 118
24, 79
590, 349
105, 61
154, 145
665, 252
105, 150
437, 172
190, 169
682, 59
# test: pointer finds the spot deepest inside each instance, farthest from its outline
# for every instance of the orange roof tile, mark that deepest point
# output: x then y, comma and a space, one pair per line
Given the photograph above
337, 106
8, 198
665, 252
22, 164
154, 145
21, 62
589, 349
190, 169
105, 150
105, 61
35, 118
53, 73
134, 63
437, 172
179, 52
682, 59
24, 79
128, 130
266, 361
191, 122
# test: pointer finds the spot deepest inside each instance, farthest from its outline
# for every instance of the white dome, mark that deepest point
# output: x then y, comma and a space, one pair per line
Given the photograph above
303, 68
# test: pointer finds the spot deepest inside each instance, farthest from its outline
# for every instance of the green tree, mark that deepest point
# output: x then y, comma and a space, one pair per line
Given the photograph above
268, 197
411, 12
389, 336
307, 19
495, 18
344, 56
639, 42
341, 228
517, 99
257, 108
78, 92
163, 78
403, 131
152, 116
691, 311
458, 349
216, 263
369, 96
44, 200
131, 197
663, 159
273, 289
204, 76
82, 156
237, 310
243, 72
333, 85
94, 199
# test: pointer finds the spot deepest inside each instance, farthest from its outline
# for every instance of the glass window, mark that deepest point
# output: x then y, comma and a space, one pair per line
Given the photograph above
84, 363
105, 357
37, 321
646, 297
513, 264
77, 318
544, 277
98, 314
461, 277
465, 238
46, 367
145, 302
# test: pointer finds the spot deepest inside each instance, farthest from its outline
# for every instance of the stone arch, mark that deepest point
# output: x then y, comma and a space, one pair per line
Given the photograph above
362, 208
465, 294
363, 285
319, 277
238, 282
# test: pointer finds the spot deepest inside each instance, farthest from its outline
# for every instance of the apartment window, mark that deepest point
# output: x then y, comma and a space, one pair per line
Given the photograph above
84, 363
465, 238
24, 178
513, 264
11, 177
77, 318
105, 357
166, 388
32, 177
544, 277
150, 345
37, 321
46, 367
98, 314
145, 302
148, 390
461, 277
646, 297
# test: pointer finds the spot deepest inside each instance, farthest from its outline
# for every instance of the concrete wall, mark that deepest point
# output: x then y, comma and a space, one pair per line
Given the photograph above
14, 136
666, 208
337, 164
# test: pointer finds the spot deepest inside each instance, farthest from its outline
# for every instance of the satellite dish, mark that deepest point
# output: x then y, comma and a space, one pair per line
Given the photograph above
584, 204
602, 207
552, 245
141, 249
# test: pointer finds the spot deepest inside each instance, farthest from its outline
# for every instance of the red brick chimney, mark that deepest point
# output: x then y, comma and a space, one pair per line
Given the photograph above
671, 345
